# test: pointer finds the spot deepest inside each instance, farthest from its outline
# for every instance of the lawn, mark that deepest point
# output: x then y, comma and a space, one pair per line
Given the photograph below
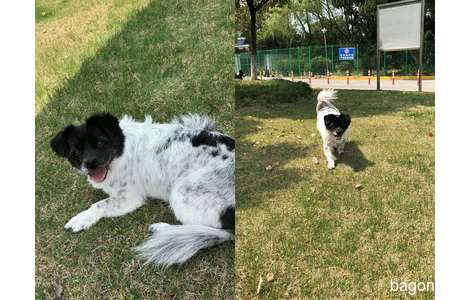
161, 58
306, 232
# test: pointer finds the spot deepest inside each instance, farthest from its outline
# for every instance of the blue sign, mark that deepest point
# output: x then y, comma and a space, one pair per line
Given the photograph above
346, 53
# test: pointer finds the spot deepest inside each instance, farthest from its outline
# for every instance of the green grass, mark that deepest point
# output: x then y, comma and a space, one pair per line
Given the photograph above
318, 233
161, 58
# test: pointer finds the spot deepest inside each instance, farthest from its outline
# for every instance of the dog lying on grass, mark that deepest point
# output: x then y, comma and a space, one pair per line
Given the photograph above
332, 125
186, 163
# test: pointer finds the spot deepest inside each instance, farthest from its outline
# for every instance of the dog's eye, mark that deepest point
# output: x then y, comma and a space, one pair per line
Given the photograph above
101, 142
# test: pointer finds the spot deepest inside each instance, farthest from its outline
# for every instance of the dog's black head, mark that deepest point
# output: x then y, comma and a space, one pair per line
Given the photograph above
337, 124
91, 146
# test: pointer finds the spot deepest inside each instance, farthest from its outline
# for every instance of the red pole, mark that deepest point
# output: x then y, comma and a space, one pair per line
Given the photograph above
393, 77
368, 76
417, 77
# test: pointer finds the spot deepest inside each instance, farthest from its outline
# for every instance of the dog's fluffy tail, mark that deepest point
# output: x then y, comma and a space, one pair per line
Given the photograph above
195, 121
326, 97
175, 244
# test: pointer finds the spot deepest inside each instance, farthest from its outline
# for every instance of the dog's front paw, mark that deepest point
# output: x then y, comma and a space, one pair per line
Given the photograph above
82, 221
157, 226
331, 165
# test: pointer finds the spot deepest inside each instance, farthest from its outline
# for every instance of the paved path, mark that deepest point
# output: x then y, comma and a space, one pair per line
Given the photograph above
400, 85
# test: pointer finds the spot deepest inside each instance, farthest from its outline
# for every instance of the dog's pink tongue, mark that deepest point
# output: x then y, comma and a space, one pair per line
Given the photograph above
99, 174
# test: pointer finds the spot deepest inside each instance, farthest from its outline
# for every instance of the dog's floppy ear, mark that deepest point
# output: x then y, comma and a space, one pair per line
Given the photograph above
329, 121
60, 143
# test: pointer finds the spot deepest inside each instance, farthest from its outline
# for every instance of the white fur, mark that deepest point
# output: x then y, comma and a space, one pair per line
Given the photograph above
198, 186
195, 121
325, 106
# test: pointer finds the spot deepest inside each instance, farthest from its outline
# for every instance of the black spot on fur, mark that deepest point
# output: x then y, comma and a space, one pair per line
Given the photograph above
228, 141
163, 147
228, 218
204, 138
224, 157
215, 153
210, 139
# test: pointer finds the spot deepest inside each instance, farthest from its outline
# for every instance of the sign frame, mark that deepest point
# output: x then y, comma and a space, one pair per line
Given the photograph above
394, 4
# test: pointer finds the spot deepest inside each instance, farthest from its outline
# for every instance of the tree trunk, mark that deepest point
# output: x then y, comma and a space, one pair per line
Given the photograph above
253, 43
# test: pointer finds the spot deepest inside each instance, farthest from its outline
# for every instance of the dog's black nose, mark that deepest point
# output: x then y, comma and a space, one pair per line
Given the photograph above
91, 164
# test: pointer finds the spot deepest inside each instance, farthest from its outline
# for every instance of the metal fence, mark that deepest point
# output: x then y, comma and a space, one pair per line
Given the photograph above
302, 60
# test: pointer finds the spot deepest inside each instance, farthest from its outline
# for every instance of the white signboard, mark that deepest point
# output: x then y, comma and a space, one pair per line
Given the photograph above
399, 27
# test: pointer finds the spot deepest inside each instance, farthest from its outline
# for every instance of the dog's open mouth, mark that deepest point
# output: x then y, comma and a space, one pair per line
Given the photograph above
99, 174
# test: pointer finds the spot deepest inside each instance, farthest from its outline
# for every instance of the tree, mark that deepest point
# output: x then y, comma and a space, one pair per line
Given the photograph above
292, 23
277, 30
253, 8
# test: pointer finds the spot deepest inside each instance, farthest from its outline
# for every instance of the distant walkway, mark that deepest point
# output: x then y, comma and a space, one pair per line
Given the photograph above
385, 84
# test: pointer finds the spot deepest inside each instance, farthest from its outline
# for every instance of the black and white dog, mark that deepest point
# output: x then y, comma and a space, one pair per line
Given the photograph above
332, 124
186, 163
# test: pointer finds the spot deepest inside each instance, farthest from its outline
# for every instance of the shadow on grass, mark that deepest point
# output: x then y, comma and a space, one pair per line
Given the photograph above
357, 103
253, 161
153, 66
270, 92
354, 157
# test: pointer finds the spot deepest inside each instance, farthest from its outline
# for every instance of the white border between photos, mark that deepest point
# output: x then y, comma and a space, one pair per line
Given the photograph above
452, 150
17, 149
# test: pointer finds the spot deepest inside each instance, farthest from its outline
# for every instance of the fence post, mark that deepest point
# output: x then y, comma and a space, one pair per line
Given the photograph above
332, 59
347, 77
368, 76
385, 63
309, 59
393, 77
357, 59
288, 60
406, 61
298, 60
